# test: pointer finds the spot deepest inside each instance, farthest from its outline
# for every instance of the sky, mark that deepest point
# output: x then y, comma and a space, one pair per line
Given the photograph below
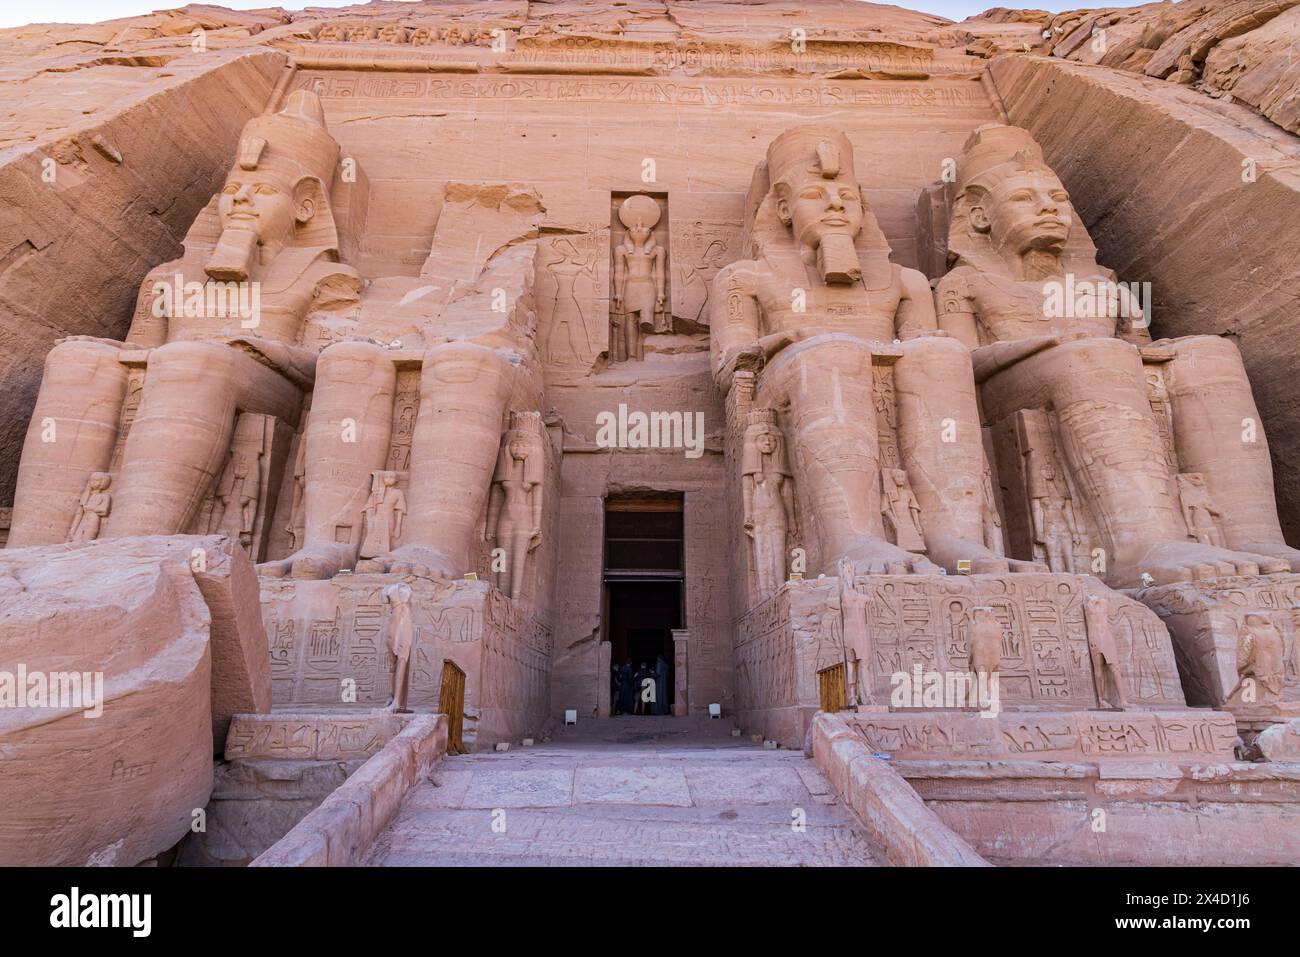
16, 13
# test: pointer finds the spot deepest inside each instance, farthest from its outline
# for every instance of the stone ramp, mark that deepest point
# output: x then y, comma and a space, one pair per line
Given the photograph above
700, 802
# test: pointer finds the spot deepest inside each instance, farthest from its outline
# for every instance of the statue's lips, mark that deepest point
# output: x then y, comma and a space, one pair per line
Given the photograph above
1050, 221
834, 221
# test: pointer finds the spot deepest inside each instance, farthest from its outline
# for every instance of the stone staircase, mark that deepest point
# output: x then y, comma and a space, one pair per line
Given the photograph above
628, 791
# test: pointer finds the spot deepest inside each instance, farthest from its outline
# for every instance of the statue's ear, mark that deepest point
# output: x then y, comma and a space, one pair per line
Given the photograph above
783, 203
306, 200
313, 218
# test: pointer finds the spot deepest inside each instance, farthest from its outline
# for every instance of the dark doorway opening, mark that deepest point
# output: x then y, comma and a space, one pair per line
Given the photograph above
643, 599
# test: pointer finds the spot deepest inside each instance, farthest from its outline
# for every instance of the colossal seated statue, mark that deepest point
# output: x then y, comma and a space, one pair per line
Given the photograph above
820, 304
215, 334
1083, 409
424, 386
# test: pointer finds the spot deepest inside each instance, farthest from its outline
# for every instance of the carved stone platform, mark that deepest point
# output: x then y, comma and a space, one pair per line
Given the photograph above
1208, 622
328, 649
924, 621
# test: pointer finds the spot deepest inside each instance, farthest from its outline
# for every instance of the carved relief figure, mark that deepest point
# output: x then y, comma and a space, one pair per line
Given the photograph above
768, 493
238, 489
270, 231
401, 636
515, 506
1014, 244
1056, 527
902, 511
1104, 652
568, 337
1261, 655
806, 316
639, 271
384, 512
1199, 511
96, 502
296, 517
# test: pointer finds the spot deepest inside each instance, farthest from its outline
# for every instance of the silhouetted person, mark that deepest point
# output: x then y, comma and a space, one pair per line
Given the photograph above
661, 685
644, 674
626, 692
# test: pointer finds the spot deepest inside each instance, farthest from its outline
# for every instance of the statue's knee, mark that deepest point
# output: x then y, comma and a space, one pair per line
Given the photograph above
462, 363
339, 353
201, 359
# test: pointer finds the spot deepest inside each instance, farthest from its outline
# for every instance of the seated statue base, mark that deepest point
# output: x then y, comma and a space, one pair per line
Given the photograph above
1208, 623
329, 650
916, 635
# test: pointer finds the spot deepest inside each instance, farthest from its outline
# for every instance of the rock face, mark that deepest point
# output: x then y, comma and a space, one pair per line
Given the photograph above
1242, 50
157, 631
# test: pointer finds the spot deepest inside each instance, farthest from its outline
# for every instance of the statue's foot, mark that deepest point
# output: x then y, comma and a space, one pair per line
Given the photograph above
950, 552
872, 556
424, 561
312, 562
1167, 562
1277, 551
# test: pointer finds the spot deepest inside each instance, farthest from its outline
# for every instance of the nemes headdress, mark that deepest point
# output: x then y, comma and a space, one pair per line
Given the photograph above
994, 152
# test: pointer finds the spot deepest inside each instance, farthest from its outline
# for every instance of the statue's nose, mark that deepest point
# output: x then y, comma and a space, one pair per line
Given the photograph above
244, 194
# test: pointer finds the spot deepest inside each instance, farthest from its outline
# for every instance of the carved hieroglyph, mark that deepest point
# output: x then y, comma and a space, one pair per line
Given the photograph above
220, 331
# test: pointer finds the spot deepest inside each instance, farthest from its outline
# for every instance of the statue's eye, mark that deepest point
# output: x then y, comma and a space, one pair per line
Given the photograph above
849, 195
231, 189
813, 192
1021, 196
1060, 195
264, 189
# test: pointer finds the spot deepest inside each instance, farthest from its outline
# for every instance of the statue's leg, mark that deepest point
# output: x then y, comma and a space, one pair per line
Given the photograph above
1097, 388
181, 434
941, 446
348, 433
71, 434
1218, 432
465, 392
827, 383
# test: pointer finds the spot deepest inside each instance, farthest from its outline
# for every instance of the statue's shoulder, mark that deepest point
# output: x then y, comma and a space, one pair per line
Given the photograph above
957, 289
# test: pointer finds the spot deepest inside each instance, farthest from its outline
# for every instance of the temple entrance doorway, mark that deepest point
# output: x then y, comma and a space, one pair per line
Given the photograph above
643, 599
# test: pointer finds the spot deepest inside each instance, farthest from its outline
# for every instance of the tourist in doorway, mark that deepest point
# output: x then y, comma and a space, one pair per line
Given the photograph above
626, 692
645, 682
661, 684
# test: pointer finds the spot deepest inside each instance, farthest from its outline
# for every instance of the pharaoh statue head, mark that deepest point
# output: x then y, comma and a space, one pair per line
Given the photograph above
1010, 204
817, 196
277, 193
764, 445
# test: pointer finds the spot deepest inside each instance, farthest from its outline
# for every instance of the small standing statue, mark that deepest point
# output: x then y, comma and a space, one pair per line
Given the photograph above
1056, 530
401, 632
639, 275
515, 505
985, 643
854, 608
769, 498
1104, 652
1199, 510
95, 504
1261, 653
235, 489
384, 512
901, 510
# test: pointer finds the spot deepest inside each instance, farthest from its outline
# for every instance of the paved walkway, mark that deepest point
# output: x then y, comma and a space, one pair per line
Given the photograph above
631, 792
